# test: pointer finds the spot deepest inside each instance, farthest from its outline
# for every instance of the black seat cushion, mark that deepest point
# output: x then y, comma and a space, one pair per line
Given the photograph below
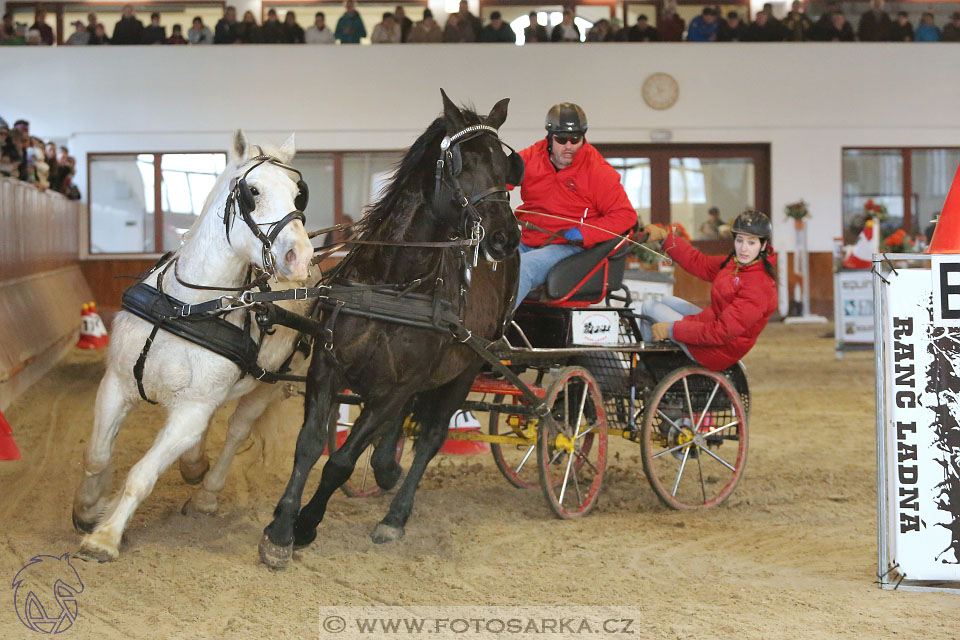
566, 274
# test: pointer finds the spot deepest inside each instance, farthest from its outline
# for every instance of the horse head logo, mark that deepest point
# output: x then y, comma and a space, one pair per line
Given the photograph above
45, 594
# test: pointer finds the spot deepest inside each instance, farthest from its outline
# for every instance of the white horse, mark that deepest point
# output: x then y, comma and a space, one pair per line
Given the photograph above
188, 380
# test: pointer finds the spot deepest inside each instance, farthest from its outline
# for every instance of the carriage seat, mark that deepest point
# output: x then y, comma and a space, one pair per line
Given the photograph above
586, 276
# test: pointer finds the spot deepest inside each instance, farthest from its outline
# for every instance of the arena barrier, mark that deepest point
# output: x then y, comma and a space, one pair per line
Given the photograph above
917, 347
41, 287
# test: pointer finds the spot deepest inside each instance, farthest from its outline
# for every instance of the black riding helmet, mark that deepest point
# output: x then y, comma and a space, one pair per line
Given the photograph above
566, 117
754, 223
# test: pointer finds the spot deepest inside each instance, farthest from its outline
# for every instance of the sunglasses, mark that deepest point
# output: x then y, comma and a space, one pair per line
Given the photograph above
566, 139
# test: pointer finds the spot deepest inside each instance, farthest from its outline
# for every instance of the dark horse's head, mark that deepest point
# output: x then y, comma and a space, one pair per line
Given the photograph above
465, 192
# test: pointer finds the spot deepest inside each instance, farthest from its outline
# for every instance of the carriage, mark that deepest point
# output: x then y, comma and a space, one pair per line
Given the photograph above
579, 348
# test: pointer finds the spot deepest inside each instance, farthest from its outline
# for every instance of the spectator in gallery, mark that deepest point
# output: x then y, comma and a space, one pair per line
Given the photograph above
225, 31
154, 33
671, 25
405, 23
272, 31
710, 229
536, 32
927, 30
824, 22
46, 32
91, 23
350, 26
319, 32
80, 36
293, 31
764, 29
468, 24
427, 30
176, 36
567, 30
498, 30
902, 29
796, 24
99, 35
601, 31
248, 31
8, 30
451, 30
129, 30
951, 30
704, 27
839, 30
642, 31
387, 31
199, 33
732, 29
875, 24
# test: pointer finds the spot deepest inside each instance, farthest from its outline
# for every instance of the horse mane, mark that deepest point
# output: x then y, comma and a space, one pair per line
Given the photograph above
233, 169
397, 201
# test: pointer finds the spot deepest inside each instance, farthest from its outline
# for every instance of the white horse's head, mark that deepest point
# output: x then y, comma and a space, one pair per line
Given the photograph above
273, 191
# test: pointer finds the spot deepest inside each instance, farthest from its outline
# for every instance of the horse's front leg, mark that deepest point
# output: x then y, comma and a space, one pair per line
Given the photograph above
249, 409
276, 545
90, 499
433, 410
183, 429
194, 464
378, 414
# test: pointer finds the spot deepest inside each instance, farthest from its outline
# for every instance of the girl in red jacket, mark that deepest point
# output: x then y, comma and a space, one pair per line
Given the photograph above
742, 298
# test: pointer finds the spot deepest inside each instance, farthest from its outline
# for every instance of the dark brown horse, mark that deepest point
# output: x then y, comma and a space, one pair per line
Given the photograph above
397, 368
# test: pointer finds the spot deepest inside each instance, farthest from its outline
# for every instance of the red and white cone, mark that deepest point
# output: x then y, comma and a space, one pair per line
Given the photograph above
8, 448
863, 250
464, 422
946, 235
93, 333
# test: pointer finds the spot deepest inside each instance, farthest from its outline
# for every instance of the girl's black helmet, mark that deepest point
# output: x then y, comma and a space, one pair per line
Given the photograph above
753, 222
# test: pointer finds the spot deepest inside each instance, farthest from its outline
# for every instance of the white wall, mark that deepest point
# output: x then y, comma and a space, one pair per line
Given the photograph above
808, 101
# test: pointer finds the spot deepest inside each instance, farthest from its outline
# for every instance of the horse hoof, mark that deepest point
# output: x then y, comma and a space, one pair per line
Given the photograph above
303, 539
93, 551
197, 505
385, 533
193, 473
391, 483
83, 526
273, 555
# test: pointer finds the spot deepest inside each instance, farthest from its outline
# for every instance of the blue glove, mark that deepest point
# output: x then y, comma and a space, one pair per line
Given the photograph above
573, 235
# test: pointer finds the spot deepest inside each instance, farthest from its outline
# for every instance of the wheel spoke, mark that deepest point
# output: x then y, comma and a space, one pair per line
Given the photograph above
707, 408
719, 459
583, 433
524, 461
576, 485
683, 463
671, 450
566, 478
686, 391
672, 423
585, 459
726, 426
703, 489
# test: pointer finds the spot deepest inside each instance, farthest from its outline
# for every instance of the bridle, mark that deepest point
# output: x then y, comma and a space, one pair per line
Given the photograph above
449, 166
241, 200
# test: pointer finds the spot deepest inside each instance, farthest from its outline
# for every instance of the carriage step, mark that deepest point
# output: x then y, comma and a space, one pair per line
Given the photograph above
486, 384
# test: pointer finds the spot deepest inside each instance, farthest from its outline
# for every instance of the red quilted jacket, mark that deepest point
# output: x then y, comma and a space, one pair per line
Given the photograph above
588, 190
741, 302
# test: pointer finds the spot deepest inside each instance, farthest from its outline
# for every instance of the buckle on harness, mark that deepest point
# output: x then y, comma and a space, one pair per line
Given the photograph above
232, 303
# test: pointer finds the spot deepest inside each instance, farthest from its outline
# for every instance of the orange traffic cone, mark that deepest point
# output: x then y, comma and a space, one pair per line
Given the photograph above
464, 422
84, 341
862, 255
93, 334
8, 448
946, 236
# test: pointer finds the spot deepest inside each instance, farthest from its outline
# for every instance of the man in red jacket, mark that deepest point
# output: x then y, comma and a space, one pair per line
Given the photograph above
565, 176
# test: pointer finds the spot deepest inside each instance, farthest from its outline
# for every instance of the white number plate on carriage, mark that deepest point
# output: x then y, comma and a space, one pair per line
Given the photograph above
596, 327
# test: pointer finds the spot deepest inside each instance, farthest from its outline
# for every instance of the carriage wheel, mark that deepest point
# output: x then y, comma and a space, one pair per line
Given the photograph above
361, 484
517, 463
694, 438
572, 443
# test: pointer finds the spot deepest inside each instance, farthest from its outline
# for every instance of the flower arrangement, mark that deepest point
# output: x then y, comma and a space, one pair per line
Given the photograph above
899, 242
875, 210
797, 210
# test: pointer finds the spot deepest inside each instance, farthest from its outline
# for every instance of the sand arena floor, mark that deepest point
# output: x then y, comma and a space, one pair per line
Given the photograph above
792, 554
